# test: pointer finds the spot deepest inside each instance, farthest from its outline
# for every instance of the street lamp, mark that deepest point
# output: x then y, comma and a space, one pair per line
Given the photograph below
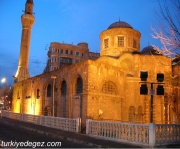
54, 78
3, 80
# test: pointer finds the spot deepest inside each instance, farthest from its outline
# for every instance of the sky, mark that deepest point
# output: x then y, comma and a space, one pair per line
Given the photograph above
68, 21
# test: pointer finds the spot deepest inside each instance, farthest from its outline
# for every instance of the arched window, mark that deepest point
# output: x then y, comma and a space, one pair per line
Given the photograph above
49, 91
106, 43
79, 87
109, 88
140, 114
131, 114
63, 88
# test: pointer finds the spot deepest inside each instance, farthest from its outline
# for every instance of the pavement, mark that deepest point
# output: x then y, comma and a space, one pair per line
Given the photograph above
71, 136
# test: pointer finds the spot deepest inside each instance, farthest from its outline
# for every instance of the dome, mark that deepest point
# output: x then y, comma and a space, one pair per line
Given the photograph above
120, 24
150, 50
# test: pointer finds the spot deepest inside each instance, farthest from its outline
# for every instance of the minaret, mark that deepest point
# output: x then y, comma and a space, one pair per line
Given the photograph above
27, 21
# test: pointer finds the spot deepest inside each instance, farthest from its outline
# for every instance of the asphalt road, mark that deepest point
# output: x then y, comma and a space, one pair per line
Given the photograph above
25, 138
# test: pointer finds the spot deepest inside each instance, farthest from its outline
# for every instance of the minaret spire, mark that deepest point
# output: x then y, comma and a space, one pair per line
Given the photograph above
27, 21
29, 1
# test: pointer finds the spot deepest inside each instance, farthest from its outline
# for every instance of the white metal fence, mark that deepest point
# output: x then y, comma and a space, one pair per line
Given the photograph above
167, 134
143, 134
138, 133
49, 121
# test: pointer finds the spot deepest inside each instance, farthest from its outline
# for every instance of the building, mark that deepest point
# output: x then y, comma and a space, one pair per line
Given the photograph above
61, 55
107, 88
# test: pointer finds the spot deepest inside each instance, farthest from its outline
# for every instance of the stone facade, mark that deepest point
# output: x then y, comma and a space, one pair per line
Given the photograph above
106, 89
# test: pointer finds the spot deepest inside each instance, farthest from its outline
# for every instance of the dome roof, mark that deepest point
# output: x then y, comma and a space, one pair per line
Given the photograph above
120, 24
148, 48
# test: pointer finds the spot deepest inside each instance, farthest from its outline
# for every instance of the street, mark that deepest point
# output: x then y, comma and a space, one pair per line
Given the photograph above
11, 136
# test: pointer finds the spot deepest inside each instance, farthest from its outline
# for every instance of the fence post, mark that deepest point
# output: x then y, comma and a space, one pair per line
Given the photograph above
22, 117
87, 126
152, 134
40, 119
1, 111
78, 125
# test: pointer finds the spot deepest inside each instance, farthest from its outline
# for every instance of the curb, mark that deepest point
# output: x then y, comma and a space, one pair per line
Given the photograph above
56, 136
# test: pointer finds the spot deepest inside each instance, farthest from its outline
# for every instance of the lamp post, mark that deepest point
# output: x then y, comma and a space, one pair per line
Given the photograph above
54, 78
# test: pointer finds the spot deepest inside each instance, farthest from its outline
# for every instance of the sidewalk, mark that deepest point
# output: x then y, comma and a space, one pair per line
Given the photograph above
71, 136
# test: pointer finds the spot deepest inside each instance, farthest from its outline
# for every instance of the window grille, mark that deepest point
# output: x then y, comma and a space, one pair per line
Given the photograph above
49, 91
105, 43
134, 43
131, 114
109, 88
120, 41
79, 86
63, 88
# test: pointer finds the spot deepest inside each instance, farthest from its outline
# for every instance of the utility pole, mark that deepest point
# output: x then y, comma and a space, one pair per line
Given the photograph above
144, 89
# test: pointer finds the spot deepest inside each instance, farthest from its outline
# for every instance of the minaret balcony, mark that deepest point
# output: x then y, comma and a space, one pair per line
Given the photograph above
28, 16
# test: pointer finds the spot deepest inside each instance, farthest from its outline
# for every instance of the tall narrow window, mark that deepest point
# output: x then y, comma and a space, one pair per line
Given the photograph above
134, 43
79, 86
56, 50
61, 51
105, 43
120, 41
55, 59
139, 118
38, 94
63, 88
49, 91
71, 52
131, 114
82, 54
66, 51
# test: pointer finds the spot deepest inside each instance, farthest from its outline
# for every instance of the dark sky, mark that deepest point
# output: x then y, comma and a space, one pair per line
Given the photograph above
68, 21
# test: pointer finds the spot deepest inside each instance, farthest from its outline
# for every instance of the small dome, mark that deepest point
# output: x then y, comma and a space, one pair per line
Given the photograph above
120, 25
150, 50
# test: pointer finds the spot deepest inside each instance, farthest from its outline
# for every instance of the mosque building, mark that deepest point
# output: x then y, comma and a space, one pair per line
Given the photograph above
106, 86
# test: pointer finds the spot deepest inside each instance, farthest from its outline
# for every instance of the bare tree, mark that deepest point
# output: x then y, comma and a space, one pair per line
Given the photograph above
168, 28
